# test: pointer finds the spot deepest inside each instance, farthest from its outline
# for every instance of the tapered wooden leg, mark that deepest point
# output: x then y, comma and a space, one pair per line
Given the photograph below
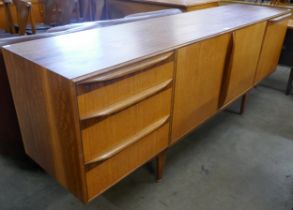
290, 81
160, 164
243, 104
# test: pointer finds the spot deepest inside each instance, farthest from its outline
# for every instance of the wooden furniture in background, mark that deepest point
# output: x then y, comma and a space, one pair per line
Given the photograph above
92, 9
98, 110
121, 8
58, 12
24, 16
9, 24
86, 9
37, 13
55, 12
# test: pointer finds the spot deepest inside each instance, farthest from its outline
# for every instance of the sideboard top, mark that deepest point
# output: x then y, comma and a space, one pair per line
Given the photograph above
81, 55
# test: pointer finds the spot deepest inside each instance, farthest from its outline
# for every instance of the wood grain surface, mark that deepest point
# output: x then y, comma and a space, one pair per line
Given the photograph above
48, 118
200, 69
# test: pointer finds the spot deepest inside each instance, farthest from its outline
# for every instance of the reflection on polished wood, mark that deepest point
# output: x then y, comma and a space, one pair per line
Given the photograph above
99, 109
56, 12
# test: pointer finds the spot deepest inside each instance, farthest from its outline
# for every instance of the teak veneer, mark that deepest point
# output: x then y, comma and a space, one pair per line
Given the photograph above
93, 111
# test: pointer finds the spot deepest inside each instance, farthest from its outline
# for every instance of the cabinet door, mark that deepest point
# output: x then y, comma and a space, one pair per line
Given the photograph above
240, 72
272, 46
198, 81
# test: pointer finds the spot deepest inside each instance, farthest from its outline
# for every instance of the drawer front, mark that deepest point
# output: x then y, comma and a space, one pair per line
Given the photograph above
104, 137
109, 172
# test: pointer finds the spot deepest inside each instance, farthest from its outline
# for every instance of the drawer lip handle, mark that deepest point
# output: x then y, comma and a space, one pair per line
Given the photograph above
120, 106
277, 19
148, 63
133, 139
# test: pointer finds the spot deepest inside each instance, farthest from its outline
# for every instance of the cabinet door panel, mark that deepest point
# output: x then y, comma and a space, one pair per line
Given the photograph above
241, 70
198, 82
271, 49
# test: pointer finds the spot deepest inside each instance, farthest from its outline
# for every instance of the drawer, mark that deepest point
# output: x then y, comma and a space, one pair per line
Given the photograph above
107, 173
104, 137
105, 90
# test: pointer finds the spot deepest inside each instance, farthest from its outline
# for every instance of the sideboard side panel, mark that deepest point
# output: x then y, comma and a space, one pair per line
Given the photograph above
46, 107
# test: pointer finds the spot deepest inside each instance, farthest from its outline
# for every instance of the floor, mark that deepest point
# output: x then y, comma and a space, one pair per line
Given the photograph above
232, 162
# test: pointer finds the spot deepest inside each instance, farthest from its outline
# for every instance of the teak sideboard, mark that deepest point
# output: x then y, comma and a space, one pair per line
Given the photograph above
95, 105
